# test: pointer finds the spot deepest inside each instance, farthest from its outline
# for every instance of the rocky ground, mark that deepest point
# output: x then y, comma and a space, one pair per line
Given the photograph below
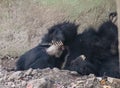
50, 78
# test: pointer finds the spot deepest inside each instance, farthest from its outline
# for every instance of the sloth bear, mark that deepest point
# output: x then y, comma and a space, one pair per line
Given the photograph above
41, 57
51, 51
84, 45
65, 32
96, 51
89, 52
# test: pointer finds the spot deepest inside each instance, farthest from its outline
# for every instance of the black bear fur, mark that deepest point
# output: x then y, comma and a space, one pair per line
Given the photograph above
39, 58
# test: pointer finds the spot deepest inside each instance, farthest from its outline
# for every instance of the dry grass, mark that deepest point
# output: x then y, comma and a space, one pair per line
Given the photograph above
23, 22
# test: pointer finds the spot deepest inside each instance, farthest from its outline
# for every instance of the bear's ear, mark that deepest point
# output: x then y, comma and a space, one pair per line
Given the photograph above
51, 30
112, 15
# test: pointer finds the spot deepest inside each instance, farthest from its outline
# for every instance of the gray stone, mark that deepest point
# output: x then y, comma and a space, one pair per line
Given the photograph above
24, 83
16, 75
56, 70
34, 72
110, 79
89, 83
73, 73
3, 86
40, 83
29, 71
11, 84
1, 74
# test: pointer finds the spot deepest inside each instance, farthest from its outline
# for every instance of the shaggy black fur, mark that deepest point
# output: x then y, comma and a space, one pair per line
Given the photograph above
39, 58
65, 32
100, 49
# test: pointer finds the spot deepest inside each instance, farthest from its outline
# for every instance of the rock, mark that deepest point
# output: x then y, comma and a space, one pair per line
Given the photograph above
77, 84
74, 73
40, 83
29, 71
11, 84
109, 79
53, 78
106, 86
56, 70
1, 79
34, 72
1, 74
99, 78
24, 83
89, 83
3, 86
16, 75
27, 78
91, 75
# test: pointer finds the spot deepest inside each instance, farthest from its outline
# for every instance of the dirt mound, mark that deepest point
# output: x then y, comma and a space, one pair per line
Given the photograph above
53, 78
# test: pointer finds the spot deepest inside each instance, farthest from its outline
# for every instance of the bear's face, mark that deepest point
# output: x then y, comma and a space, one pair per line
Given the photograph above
56, 49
